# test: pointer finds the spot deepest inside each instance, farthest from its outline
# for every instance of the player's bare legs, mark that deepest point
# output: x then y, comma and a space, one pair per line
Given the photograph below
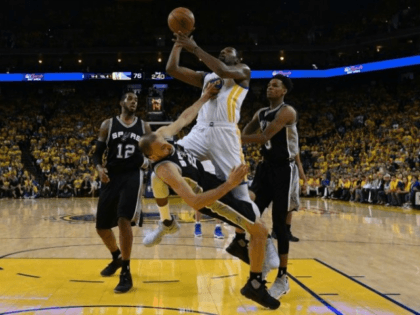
126, 238
255, 288
108, 237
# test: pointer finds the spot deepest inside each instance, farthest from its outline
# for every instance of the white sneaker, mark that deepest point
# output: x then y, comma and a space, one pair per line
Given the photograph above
271, 259
280, 287
155, 237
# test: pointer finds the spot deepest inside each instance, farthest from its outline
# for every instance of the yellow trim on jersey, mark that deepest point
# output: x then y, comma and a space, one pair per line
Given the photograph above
238, 132
229, 102
235, 101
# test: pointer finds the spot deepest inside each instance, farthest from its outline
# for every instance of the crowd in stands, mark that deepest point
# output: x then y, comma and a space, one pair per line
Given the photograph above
359, 142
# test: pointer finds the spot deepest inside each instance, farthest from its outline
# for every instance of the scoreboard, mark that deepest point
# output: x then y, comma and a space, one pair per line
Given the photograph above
84, 76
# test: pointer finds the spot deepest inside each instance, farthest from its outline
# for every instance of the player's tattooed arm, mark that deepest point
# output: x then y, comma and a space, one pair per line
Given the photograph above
103, 130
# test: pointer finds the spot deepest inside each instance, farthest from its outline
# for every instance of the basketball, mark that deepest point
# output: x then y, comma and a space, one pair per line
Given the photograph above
181, 20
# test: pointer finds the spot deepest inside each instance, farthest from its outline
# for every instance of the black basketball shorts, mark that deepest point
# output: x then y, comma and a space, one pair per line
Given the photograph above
228, 209
278, 184
120, 198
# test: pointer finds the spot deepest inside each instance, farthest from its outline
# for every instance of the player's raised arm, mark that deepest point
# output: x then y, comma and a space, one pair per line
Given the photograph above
189, 114
236, 71
169, 173
285, 116
186, 75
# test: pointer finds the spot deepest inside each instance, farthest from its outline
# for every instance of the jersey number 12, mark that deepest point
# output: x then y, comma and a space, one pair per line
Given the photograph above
128, 151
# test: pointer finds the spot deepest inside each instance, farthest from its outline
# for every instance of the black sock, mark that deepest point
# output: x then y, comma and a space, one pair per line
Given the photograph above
282, 271
288, 226
255, 275
168, 222
125, 266
239, 236
116, 254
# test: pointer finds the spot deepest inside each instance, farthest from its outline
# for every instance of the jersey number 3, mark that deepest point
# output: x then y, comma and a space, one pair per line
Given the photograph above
128, 151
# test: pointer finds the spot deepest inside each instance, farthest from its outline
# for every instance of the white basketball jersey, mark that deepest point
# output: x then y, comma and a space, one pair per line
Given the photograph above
227, 106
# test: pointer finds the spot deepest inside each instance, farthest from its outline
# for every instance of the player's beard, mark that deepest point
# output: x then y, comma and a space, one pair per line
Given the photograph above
129, 111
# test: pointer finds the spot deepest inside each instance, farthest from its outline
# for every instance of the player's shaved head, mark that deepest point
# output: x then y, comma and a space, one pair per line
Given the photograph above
146, 143
155, 147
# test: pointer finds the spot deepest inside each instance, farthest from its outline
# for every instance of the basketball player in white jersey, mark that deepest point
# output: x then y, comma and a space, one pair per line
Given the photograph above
215, 136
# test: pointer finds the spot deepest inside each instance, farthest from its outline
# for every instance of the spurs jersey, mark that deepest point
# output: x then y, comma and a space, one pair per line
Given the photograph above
284, 145
190, 168
228, 209
122, 143
227, 106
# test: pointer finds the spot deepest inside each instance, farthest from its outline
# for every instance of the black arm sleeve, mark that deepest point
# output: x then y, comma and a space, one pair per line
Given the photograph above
97, 156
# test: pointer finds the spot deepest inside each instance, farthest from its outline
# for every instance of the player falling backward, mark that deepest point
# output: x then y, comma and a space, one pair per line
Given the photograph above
204, 192
216, 136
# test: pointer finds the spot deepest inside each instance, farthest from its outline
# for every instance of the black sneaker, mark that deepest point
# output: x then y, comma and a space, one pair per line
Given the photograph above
293, 238
235, 249
260, 295
112, 268
126, 283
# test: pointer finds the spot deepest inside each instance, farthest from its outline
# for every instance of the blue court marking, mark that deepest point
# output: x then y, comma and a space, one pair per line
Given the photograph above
368, 287
320, 299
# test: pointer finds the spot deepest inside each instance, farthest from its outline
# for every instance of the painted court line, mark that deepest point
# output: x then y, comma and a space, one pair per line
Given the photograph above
180, 310
87, 281
25, 275
234, 275
320, 299
164, 281
369, 288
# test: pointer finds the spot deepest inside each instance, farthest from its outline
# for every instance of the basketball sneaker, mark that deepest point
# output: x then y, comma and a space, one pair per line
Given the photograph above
197, 230
239, 248
125, 284
280, 287
257, 291
292, 238
218, 232
155, 237
112, 268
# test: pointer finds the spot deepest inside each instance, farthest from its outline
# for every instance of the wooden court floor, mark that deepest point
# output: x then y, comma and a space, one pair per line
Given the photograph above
352, 259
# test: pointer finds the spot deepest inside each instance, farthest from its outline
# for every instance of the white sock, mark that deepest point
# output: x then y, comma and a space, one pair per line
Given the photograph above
165, 214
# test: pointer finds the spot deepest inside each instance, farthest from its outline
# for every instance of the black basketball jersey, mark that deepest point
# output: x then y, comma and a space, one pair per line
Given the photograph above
191, 168
284, 145
123, 145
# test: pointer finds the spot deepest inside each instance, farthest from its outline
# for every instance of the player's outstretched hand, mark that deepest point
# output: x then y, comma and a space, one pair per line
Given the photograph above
210, 91
237, 175
184, 41
103, 175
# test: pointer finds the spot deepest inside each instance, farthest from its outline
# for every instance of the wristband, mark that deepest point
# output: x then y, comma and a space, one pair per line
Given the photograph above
146, 163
